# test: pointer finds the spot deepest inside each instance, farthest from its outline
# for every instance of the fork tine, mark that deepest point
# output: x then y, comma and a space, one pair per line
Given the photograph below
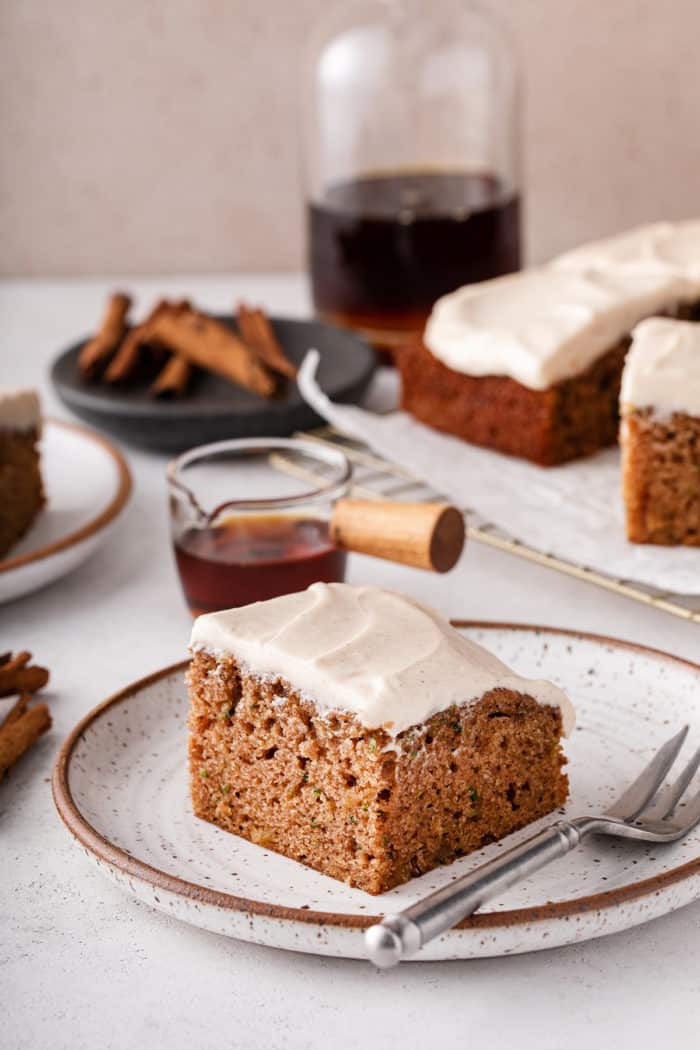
640, 793
666, 801
688, 814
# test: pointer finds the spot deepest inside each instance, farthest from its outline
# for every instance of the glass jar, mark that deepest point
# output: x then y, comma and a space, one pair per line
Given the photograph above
250, 519
411, 143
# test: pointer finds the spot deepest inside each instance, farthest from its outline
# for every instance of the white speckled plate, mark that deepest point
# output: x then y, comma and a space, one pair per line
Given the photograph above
87, 485
120, 785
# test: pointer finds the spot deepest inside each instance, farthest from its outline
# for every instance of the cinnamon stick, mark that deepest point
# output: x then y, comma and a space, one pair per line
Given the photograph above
19, 735
22, 679
202, 341
14, 663
258, 333
17, 709
173, 379
123, 364
100, 348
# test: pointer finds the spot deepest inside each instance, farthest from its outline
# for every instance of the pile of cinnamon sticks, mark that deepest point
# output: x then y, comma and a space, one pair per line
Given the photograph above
23, 724
174, 340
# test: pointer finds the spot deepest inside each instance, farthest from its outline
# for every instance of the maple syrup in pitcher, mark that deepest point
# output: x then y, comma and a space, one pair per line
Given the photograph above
383, 248
250, 519
250, 558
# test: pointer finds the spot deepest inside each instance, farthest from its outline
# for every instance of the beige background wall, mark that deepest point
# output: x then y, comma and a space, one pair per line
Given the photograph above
159, 135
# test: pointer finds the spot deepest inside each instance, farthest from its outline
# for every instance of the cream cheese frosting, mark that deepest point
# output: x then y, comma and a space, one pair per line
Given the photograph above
380, 655
671, 249
19, 409
545, 325
662, 368
633, 247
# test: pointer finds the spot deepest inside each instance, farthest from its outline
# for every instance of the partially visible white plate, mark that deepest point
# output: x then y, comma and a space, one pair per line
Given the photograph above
120, 785
87, 484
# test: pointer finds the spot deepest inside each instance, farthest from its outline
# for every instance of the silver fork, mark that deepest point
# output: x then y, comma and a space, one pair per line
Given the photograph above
643, 812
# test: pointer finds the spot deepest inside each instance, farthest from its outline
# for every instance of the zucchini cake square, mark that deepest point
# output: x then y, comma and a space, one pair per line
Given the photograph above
356, 731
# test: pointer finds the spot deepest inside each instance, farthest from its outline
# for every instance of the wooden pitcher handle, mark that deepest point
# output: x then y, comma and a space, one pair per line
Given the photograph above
424, 535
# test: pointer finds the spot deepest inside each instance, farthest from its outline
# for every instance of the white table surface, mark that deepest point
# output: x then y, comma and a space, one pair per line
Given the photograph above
81, 965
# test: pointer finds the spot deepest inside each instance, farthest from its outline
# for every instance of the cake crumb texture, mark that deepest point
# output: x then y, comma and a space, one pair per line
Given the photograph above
571, 419
661, 478
355, 803
21, 491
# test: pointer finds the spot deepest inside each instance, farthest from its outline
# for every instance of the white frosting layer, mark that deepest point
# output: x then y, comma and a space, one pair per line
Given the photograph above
19, 410
380, 655
662, 368
664, 248
544, 325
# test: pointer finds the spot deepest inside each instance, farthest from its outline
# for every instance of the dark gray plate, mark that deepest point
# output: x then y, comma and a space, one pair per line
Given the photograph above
215, 409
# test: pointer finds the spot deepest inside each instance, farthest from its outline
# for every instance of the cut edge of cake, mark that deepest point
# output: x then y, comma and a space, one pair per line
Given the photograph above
660, 434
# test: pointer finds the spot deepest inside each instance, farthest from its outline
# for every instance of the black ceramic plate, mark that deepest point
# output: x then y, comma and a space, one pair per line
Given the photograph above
215, 409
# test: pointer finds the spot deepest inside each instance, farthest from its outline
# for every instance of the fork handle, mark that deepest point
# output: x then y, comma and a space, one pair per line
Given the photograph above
397, 937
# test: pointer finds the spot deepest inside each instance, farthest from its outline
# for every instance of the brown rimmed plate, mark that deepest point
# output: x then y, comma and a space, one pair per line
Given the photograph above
87, 484
120, 786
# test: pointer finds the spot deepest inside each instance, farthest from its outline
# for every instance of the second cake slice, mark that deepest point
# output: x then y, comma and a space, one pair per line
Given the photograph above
660, 433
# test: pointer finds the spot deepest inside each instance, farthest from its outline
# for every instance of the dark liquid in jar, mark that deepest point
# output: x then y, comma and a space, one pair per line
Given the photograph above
250, 558
383, 248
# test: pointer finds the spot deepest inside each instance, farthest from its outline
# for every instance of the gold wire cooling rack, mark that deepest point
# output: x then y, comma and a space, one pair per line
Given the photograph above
376, 478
